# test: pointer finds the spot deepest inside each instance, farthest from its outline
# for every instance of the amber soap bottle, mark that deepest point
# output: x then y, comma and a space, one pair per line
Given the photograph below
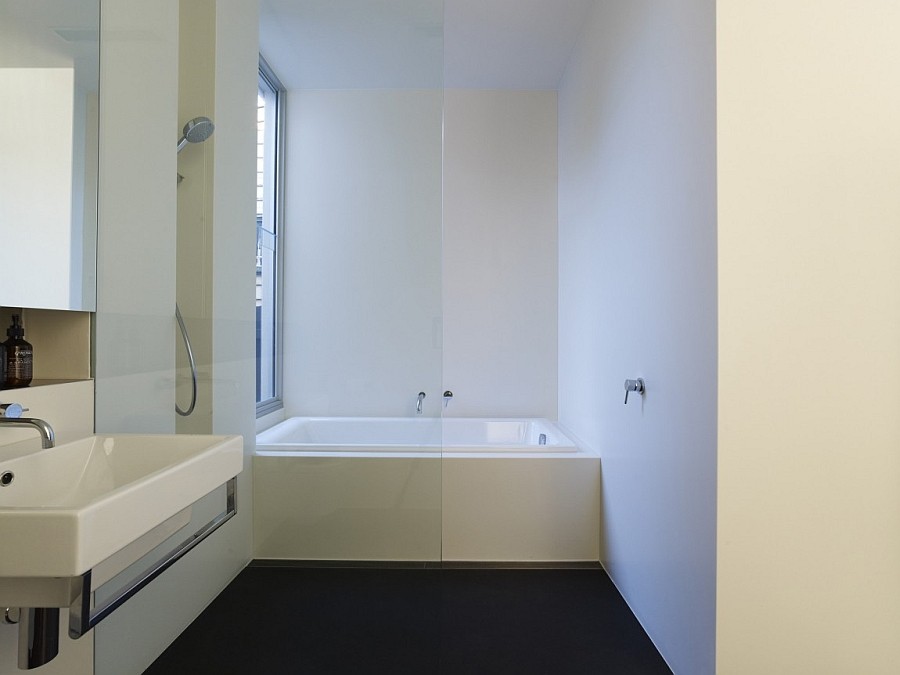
19, 355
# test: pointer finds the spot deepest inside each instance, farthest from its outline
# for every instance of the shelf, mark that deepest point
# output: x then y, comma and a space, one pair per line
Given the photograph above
43, 383
61, 341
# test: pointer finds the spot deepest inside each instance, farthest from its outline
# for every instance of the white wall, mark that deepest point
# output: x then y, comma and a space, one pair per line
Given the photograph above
809, 334
364, 291
500, 254
637, 270
362, 248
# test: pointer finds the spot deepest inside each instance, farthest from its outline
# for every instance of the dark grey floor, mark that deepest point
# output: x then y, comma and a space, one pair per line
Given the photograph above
418, 621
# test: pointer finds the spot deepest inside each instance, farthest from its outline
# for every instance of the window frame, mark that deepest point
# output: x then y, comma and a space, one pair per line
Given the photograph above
267, 78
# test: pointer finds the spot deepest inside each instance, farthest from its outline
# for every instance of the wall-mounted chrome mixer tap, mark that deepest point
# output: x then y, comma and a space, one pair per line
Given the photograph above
11, 415
419, 401
634, 386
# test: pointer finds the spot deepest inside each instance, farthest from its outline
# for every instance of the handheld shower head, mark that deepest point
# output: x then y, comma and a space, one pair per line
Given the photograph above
196, 131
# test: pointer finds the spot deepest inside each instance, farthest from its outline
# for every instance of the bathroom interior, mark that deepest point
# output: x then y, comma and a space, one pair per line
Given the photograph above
488, 216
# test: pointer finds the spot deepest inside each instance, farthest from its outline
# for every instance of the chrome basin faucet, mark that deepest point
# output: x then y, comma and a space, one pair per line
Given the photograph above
419, 402
9, 416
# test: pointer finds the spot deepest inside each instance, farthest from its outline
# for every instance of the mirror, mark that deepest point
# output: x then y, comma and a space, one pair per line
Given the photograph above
49, 82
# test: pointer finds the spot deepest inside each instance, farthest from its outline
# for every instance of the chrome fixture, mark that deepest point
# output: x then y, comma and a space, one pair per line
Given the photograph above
38, 636
448, 396
190, 355
11, 410
419, 402
542, 439
38, 626
196, 130
636, 386
45, 430
84, 615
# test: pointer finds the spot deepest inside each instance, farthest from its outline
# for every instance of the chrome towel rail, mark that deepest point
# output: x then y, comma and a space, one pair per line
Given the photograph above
82, 619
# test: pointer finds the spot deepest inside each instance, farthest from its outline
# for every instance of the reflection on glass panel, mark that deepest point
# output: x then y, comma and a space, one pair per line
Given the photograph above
49, 74
362, 285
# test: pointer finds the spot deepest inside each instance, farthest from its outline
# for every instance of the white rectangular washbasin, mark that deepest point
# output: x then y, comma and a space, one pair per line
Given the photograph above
66, 509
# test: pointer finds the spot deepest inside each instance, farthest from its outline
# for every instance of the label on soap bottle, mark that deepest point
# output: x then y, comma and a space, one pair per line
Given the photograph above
20, 364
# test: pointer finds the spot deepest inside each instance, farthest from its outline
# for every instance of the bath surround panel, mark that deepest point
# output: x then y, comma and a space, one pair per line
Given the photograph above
414, 489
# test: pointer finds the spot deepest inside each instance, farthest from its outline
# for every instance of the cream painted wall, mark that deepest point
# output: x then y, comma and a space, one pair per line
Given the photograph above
135, 335
196, 216
362, 252
499, 253
234, 241
809, 334
637, 298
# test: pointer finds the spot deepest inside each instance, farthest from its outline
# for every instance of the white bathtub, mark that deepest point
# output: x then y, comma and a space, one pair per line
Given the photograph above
384, 436
424, 489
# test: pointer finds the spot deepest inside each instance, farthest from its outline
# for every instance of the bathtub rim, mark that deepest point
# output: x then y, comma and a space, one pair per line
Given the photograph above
382, 451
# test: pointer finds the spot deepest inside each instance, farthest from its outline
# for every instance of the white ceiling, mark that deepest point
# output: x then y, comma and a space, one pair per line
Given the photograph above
491, 44
510, 44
